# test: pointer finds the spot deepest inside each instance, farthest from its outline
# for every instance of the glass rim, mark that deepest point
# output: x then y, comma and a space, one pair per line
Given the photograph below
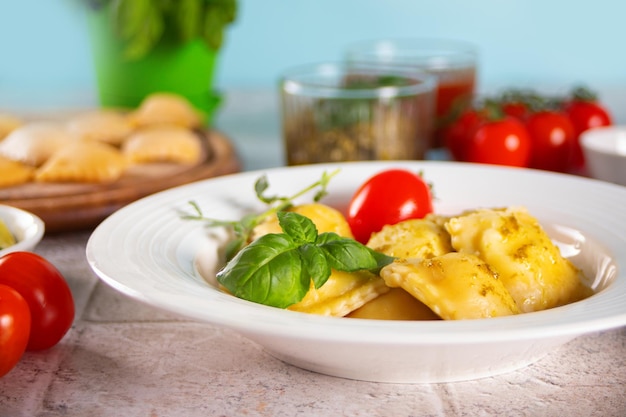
422, 53
296, 80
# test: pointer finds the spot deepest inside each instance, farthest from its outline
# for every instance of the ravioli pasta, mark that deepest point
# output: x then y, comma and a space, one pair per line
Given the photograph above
101, 145
482, 263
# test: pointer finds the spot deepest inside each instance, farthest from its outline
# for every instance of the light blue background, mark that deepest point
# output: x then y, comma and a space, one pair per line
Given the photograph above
44, 43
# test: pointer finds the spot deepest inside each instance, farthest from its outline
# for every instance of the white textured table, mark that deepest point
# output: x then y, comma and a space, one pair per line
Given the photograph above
122, 358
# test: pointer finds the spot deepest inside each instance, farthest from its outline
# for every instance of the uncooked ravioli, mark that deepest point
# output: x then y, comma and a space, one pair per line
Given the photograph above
33, 143
163, 144
83, 161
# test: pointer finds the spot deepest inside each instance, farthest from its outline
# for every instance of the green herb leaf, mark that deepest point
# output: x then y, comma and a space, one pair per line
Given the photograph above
345, 254
243, 228
277, 269
316, 264
187, 18
301, 229
212, 30
139, 23
269, 271
128, 16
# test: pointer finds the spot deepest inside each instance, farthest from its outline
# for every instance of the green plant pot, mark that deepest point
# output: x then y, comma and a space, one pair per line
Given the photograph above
186, 69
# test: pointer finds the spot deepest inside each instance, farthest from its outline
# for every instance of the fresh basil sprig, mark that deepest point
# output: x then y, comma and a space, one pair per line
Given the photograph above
277, 268
142, 24
242, 228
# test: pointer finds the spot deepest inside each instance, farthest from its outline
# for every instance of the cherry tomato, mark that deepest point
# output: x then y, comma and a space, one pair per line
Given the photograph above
14, 328
517, 110
388, 197
553, 137
46, 292
457, 135
503, 141
584, 115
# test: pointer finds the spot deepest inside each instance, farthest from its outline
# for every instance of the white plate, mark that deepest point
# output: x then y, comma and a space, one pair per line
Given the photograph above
27, 228
148, 253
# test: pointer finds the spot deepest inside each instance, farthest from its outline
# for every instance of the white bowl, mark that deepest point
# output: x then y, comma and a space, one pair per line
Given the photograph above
146, 251
27, 228
605, 153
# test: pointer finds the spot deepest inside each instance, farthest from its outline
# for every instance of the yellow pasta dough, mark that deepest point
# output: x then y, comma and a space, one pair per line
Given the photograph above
106, 126
33, 143
8, 123
166, 108
415, 238
163, 144
515, 245
14, 173
455, 286
83, 162
396, 304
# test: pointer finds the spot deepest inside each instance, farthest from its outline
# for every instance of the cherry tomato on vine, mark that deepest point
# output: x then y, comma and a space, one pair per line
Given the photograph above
14, 328
585, 114
503, 141
457, 135
46, 292
518, 110
552, 136
388, 197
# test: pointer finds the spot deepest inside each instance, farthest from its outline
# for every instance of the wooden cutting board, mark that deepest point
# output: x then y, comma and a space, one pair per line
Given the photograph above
80, 206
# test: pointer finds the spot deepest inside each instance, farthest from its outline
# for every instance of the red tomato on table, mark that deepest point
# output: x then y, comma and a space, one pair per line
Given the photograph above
457, 135
47, 294
388, 197
584, 115
14, 328
552, 136
502, 141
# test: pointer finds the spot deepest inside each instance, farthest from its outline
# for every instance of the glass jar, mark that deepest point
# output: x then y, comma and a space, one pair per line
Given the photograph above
453, 62
334, 112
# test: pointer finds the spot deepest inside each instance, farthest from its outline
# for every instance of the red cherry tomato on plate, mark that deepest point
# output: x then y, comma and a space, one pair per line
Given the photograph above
552, 136
388, 197
503, 141
14, 328
46, 292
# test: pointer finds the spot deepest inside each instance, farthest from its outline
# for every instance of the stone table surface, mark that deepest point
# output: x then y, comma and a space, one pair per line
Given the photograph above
124, 358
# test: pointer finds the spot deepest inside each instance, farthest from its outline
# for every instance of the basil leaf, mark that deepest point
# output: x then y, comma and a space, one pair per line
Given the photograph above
187, 17
316, 264
269, 271
348, 255
300, 228
128, 16
260, 186
212, 30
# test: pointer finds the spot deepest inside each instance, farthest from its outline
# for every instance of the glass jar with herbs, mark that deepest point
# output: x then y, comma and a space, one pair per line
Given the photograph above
333, 112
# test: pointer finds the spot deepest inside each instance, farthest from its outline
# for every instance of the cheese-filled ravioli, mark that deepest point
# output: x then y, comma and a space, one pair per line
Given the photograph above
515, 245
454, 286
14, 173
34, 142
83, 161
163, 144
8, 123
415, 238
166, 108
106, 126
